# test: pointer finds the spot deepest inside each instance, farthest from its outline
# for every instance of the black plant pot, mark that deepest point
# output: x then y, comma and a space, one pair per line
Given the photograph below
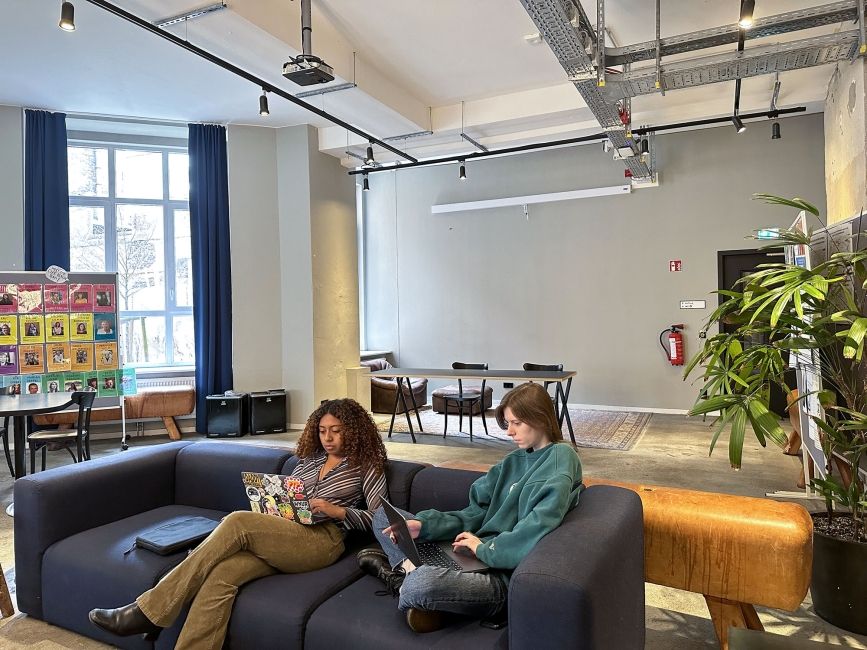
840, 581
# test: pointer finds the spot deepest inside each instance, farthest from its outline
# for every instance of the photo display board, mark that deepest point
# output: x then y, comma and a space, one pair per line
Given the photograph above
60, 337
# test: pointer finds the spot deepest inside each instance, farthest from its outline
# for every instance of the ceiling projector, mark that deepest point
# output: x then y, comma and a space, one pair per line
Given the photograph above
308, 70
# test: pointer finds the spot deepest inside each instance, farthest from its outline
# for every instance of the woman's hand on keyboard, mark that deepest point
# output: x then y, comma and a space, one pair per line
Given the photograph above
466, 542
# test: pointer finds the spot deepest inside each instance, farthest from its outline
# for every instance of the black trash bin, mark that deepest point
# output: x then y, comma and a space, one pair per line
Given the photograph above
268, 412
227, 415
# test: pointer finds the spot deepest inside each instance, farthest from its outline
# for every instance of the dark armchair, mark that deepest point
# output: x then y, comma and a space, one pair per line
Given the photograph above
383, 391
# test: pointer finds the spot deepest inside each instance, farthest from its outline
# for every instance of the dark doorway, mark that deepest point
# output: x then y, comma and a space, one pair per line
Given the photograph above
732, 266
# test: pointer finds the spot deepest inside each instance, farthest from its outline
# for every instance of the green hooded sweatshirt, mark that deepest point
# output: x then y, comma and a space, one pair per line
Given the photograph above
520, 500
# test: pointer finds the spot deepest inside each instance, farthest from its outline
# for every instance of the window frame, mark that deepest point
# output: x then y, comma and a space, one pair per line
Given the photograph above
109, 204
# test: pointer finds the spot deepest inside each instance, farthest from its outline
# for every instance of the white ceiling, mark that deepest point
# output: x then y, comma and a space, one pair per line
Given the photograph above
415, 62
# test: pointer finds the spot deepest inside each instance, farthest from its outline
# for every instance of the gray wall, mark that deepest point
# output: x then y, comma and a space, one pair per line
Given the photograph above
11, 188
582, 282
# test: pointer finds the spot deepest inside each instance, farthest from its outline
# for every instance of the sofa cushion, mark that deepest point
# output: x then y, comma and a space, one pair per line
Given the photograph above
272, 612
374, 622
208, 474
92, 566
441, 488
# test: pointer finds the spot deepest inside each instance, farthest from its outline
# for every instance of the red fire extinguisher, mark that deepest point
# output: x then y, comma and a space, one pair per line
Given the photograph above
673, 344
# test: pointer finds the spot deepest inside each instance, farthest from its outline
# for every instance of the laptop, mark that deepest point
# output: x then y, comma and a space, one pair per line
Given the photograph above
279, 495
430, 553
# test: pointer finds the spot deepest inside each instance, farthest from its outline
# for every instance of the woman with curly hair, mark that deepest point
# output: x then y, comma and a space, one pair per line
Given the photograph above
342, 465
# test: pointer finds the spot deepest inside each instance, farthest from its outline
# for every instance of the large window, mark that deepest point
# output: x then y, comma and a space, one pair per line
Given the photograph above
129, 213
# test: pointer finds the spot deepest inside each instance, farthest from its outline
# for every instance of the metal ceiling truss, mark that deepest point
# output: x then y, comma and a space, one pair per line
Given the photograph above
792, 21
583, 55
752, 62
565, 28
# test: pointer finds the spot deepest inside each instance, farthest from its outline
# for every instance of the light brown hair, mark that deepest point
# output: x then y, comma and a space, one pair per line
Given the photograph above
361, 442
532, 404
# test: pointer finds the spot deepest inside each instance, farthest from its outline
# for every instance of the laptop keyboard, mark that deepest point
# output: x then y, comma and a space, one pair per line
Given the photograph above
433, 555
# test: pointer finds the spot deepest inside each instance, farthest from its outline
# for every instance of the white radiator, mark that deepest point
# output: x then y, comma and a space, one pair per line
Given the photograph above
151, 382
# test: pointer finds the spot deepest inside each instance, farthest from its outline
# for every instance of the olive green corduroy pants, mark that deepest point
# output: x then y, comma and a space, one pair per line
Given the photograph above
244, 547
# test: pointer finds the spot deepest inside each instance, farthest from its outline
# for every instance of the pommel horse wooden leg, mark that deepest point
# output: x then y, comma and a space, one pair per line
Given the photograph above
730, 613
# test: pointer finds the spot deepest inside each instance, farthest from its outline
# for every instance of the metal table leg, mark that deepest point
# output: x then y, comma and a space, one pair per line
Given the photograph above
405, 407
414, 405
564, 409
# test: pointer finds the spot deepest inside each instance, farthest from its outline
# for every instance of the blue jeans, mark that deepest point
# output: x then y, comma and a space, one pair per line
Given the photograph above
435, 588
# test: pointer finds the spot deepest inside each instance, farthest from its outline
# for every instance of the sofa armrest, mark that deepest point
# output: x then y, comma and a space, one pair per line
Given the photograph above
56, 504
586, 578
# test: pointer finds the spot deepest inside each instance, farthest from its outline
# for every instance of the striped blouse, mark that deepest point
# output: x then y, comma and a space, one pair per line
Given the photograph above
360, 492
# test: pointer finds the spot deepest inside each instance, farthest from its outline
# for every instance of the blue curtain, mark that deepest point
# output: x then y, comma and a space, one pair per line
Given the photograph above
46, 191
212, 277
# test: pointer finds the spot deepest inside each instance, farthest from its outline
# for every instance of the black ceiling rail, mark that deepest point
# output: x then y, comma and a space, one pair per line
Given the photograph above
153, 29
561, 143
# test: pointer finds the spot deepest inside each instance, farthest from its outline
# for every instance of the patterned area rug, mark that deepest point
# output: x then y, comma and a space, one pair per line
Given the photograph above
619, 430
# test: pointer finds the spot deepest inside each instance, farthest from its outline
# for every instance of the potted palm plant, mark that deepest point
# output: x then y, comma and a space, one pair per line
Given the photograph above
819, 316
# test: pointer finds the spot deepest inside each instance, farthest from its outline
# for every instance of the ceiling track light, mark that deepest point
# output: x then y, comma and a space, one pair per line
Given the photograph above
740, 127
67, 17
369, 159
775, 131
463, 173
263, 104
645, 145
365, 184
746, 19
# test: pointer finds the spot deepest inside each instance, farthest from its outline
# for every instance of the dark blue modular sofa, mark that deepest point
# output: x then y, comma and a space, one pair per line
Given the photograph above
581, 587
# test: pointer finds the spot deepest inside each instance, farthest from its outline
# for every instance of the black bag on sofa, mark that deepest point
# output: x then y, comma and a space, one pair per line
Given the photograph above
176, 535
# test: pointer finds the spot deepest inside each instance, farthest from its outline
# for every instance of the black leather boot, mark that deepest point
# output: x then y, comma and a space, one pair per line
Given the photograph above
375, 563
128, 620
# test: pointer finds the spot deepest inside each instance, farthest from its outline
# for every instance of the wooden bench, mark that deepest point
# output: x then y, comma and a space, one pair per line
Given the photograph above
165, 402
736, 551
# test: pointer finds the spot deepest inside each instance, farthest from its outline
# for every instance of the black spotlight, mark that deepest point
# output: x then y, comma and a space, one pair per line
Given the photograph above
746, 19
645, 145
369, 159
263, 104
739, 125
775, 131
365, 185
463, 172
67, 17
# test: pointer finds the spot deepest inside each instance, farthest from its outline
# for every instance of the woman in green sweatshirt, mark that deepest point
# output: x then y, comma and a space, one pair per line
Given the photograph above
520, 500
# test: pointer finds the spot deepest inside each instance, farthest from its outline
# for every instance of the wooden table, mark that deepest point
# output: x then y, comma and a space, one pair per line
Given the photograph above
519, 376
19, 407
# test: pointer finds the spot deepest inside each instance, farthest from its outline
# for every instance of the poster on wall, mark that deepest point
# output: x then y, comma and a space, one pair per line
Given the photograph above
81, 327
31, 358
105, 327
57, 357
29, 298
56, 298
8, 298
81, 297
52, 382
103, 300
105, 355
81, 355
56, 328
108, 383
32, 328
8, 359
8, 329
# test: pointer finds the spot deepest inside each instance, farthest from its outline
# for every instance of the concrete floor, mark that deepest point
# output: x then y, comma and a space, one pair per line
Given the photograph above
673, 452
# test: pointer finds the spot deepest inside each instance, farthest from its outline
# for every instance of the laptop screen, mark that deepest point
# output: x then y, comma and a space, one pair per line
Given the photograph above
402, 537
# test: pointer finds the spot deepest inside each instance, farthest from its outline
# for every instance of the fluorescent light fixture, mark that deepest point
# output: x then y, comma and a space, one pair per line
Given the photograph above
530, 199
67, 17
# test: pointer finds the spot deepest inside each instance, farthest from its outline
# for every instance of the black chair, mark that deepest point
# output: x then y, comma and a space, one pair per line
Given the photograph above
466, 401
66, 438
553, 367
4, 433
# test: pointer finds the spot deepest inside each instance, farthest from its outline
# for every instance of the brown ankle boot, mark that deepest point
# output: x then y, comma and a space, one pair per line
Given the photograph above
422, 621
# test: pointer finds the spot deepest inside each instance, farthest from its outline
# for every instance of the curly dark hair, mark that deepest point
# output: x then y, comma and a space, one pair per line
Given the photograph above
361, 442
